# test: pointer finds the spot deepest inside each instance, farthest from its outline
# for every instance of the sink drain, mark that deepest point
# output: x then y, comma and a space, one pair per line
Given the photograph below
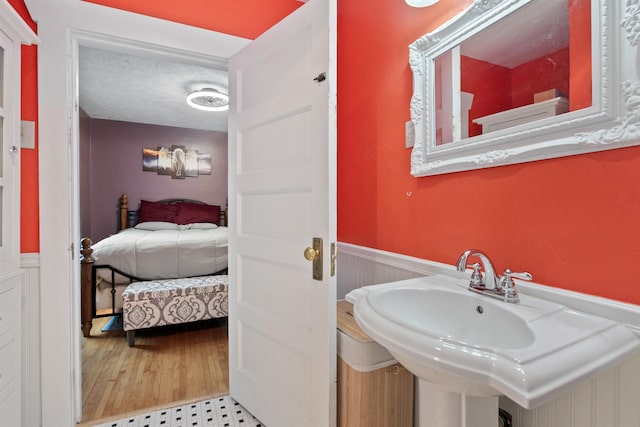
480, 309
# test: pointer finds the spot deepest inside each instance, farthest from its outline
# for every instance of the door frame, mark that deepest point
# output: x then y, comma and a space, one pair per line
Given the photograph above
62, 25
101, 41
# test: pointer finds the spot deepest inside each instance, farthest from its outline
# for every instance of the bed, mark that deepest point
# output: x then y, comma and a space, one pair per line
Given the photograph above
166, 239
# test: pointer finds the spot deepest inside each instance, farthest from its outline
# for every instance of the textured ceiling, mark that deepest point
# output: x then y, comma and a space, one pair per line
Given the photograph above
147, 89
529, 33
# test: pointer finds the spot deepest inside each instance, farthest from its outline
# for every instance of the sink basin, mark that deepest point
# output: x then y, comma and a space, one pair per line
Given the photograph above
472, 344
461, 317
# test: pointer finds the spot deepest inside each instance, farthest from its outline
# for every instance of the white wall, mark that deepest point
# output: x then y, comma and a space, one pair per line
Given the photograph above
31, 403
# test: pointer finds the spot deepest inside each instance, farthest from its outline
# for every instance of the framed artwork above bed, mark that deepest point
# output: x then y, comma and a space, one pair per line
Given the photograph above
178, 161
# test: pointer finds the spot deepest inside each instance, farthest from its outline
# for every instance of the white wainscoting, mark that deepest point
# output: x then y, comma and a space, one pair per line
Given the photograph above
610, 400
31, 400
359, 266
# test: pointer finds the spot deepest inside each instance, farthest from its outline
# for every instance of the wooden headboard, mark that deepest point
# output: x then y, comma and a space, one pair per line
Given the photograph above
129, 218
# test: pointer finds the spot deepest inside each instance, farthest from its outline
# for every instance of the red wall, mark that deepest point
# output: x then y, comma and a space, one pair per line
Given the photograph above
580, 54
244, 18
547, 72
29, 225
572, 222
490, 85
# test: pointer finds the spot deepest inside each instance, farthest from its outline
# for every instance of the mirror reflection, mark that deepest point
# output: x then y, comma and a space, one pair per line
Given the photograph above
533, 64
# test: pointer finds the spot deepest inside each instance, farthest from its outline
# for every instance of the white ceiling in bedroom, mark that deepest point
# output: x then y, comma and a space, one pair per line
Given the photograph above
147, 89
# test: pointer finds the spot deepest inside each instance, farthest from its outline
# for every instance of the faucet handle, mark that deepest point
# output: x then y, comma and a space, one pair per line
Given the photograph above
509, 287
476, 276
524, 275
508, 275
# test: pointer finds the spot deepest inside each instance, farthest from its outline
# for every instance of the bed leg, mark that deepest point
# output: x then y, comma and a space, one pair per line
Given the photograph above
86, 328
86, 285
131, 338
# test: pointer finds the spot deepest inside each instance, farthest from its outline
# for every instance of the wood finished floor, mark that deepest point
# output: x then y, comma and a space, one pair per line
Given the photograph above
167, 365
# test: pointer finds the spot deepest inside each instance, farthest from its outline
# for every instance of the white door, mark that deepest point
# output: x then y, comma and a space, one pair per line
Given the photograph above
282, 337
10, 279
9, 154
12, 32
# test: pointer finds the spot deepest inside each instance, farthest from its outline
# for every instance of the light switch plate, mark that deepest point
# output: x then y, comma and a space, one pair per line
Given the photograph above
27, 134
409, 134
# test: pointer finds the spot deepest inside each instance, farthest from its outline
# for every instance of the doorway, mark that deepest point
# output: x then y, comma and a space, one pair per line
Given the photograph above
215, 333
60, 27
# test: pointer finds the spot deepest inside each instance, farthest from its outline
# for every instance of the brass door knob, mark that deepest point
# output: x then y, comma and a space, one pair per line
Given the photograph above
310, 253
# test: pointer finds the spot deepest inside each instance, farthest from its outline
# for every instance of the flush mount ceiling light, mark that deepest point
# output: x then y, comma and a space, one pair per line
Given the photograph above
208, 99
421, 3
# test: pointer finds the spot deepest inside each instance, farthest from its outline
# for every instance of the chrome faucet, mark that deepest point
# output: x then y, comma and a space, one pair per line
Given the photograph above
488, 280
488, 283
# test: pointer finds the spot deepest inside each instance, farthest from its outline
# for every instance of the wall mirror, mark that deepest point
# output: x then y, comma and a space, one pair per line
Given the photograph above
511, 81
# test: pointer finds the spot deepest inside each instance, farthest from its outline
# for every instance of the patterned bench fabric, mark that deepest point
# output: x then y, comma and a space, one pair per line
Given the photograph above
174, 301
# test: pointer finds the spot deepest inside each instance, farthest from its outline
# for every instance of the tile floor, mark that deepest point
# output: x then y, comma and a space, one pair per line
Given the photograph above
216, 412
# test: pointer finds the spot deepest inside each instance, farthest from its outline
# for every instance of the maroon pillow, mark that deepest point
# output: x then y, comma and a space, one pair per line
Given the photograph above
155, 211
189, 213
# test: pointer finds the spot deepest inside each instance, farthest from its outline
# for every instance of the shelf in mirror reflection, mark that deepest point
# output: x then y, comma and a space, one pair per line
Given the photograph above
525, 114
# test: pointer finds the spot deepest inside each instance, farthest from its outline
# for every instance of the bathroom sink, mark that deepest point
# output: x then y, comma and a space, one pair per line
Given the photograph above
462, 317
472, 344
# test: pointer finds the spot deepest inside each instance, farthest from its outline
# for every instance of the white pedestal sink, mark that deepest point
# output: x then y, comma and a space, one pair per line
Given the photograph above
441, 408
466, 344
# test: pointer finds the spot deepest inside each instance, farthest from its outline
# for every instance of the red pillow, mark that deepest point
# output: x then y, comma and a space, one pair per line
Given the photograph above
189, 213
154, 211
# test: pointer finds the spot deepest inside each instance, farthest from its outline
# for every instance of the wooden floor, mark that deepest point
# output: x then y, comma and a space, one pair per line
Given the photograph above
167, 365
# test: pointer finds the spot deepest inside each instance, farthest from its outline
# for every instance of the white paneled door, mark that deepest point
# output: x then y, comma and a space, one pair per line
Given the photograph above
9, 154
13, 32
282, 348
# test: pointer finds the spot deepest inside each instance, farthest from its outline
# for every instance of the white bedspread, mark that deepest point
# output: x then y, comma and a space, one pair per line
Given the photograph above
163, 254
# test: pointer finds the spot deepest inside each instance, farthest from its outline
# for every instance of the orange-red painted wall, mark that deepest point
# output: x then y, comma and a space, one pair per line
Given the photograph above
572, 222
580, 54
29, 207
243, 18
490, 85
547, 72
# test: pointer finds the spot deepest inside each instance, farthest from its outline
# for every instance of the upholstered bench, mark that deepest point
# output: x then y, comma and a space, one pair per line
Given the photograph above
173, 301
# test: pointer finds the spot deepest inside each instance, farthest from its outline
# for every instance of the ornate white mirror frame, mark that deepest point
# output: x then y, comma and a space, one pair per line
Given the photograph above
612, 121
